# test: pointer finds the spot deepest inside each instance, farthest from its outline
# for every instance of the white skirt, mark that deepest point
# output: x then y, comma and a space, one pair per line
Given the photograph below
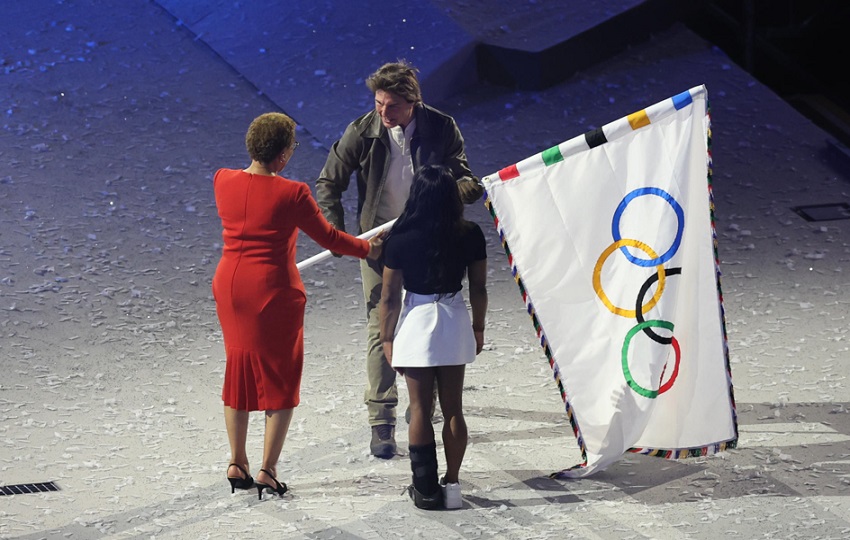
433, 331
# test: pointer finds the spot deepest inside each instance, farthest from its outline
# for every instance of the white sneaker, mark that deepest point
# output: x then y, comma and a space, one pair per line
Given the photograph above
451, 495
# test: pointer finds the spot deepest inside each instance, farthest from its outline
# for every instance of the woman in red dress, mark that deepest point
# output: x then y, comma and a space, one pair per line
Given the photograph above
259, 294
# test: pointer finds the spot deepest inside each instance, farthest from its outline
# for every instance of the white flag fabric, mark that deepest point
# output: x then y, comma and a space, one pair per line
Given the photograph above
611, 239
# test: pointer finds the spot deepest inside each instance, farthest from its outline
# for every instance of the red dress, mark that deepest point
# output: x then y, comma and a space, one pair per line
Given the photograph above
259, 295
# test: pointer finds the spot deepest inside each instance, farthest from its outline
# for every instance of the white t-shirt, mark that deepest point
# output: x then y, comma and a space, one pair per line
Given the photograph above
400, 173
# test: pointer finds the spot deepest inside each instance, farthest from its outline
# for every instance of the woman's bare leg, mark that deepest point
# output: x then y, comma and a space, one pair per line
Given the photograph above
420, 387
455, 434
237, 434
277, 426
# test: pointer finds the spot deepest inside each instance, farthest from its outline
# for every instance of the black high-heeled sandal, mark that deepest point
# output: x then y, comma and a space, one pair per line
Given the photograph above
239, 482
279, 488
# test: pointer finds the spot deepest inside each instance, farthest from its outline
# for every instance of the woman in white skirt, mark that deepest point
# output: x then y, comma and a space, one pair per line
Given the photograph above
426, 330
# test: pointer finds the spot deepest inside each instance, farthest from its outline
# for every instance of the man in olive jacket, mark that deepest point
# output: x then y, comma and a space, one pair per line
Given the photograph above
385, 147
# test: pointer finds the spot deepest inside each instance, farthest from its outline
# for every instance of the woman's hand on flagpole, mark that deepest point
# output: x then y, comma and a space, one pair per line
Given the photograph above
376, 245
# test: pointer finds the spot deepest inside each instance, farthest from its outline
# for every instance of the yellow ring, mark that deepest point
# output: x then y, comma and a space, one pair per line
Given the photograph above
597, 278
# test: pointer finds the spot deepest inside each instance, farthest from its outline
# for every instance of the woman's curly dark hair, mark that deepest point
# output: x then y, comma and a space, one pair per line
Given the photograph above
269, 135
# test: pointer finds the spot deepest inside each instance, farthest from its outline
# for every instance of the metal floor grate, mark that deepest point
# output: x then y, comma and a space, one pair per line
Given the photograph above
21, 489
823, 212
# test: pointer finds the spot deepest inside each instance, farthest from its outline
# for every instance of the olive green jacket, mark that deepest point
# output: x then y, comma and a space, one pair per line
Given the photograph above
364, 148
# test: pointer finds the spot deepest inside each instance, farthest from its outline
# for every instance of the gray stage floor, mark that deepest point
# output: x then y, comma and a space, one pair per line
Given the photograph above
114, 120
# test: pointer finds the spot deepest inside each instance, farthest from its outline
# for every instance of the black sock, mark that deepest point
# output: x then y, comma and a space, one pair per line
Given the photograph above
423, 463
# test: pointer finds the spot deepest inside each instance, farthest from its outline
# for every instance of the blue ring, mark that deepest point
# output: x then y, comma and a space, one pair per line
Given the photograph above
680, 214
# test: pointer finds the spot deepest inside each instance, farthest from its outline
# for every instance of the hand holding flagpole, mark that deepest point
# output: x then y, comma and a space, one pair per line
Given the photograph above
327, 253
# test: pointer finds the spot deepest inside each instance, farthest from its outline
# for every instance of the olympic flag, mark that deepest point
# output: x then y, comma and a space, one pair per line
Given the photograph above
610, 237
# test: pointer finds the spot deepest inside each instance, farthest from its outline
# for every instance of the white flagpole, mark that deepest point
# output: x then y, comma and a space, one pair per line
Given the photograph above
325, 254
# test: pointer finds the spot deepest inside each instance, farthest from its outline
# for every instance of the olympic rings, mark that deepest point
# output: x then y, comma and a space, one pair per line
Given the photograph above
640, 307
